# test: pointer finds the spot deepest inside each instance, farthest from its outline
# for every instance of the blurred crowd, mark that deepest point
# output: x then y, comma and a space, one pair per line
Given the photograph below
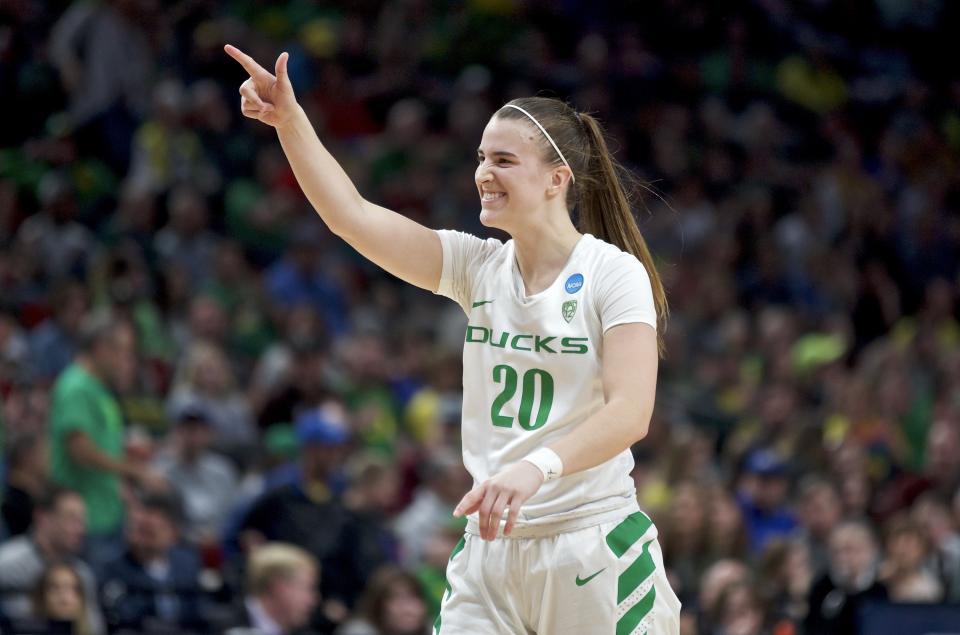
217, 417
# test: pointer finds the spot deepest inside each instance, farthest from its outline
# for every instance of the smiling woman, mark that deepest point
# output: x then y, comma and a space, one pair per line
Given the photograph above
560, 363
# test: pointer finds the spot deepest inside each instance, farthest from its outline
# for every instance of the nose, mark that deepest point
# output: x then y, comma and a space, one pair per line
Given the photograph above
483, 174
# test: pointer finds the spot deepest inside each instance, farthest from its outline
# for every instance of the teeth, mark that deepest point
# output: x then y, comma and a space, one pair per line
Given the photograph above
492, 196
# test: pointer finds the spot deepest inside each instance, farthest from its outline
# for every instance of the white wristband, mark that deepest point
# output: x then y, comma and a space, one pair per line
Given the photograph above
548, 462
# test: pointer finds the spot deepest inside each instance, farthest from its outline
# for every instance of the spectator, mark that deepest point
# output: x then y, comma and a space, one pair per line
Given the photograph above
281, 591
205, 481
783, 583
933, 514
726, 536
27, 474
763, 498
309, 513
53, 343
740, 611
301, 277
393, 604
86, 428
154, 585
443, 482
371, 495
186, 241
850, 582
56, 537
206, 379
685, 536
819, 512
61, 598
716, 578
903, 570
62, 244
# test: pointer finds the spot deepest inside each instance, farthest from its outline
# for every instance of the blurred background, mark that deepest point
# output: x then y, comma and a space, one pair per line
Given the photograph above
205, 394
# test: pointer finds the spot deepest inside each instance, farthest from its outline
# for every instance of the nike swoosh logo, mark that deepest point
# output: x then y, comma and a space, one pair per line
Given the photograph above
481, 303
588, 578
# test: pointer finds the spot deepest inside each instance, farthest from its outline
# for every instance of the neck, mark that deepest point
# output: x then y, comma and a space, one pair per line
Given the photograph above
46, 547
86, 362
273, 610
543, 252
30, 481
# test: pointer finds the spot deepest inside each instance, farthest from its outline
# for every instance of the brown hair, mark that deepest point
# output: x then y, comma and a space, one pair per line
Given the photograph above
600, 197
372, 605
39, 596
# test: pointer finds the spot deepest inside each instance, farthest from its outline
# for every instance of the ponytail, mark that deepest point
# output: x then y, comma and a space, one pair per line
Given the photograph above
596, 194
604, 211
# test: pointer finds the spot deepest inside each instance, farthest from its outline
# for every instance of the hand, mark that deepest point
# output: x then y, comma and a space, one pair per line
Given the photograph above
265, 97
152, 481
512, 487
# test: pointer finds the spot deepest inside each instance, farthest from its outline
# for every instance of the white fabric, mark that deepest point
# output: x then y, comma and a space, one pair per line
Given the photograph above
260, 619
534, 331
530, 585
548, 462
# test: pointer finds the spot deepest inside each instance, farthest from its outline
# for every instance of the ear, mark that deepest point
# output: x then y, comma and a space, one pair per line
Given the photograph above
560, 178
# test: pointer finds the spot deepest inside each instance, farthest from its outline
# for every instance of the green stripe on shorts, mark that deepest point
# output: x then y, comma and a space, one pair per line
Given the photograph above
635, 574
632, 617
628, 532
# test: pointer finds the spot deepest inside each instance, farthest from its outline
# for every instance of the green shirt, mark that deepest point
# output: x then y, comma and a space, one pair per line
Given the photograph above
82, 403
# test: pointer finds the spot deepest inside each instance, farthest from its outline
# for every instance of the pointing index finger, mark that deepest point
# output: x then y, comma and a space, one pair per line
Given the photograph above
248, 63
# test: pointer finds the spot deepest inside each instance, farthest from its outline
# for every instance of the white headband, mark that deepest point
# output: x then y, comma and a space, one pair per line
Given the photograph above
549, 138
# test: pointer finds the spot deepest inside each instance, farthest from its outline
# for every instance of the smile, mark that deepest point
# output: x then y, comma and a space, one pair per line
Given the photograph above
492, 196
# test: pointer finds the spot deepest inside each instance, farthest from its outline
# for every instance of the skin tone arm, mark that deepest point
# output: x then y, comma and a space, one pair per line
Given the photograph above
629, 390
83, 451
392, 241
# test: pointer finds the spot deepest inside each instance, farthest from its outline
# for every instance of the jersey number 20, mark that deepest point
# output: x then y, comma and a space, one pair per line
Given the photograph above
507, 375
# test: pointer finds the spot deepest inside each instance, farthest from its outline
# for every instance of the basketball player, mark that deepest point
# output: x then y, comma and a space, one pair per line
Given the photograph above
560, 362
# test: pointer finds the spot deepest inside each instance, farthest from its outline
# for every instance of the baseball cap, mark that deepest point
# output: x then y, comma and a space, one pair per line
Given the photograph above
764, 462
313, 427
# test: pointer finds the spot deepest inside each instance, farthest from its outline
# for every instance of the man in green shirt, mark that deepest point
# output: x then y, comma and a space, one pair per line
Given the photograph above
86, 424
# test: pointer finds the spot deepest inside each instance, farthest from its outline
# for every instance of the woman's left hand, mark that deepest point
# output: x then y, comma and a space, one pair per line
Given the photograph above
511, 487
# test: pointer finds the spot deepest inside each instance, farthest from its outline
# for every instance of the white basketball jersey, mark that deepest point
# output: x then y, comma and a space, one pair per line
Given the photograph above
532, 364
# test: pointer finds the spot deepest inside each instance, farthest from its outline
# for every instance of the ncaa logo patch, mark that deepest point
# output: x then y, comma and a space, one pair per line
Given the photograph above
574, 283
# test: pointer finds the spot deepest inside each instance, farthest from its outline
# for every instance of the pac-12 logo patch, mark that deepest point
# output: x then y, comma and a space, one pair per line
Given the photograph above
569, 309
574, 283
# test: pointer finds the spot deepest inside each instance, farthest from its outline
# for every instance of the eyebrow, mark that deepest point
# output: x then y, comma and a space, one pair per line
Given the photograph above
498, 153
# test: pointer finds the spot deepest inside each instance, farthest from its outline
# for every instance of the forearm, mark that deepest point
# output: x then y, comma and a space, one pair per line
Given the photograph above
85, 453
326, 185
615, 427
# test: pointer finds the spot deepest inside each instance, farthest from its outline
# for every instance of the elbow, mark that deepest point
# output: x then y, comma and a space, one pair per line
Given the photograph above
640, 426
640, 431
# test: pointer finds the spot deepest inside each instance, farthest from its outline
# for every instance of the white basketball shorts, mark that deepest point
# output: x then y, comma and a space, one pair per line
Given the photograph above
607, 579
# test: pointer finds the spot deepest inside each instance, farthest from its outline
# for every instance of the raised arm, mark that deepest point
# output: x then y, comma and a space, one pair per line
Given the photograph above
392, 241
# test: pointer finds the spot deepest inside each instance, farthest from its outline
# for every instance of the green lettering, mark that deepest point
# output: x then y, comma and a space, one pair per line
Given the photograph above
543, 343
574, 345
516, 338
503, 340
484, 331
